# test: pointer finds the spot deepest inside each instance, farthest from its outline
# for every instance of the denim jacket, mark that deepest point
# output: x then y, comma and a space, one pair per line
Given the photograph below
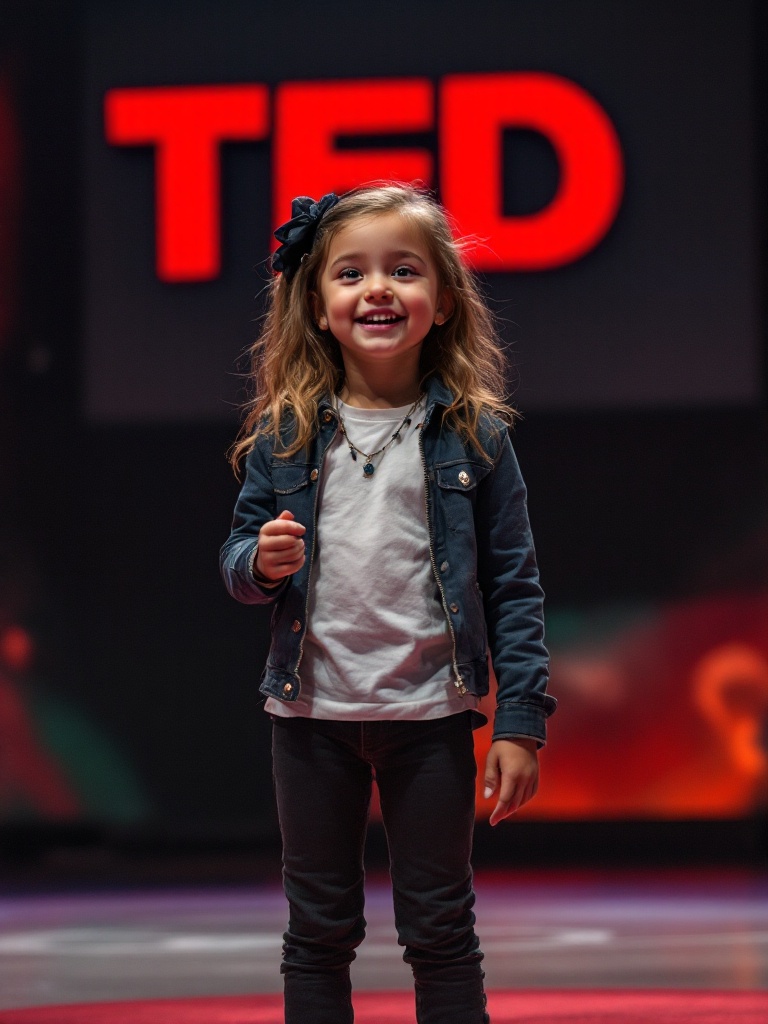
481, 550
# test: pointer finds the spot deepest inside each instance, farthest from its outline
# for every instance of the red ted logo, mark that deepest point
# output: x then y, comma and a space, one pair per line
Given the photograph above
187, 125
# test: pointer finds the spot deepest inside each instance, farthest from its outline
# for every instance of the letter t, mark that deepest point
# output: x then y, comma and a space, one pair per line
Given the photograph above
186, 125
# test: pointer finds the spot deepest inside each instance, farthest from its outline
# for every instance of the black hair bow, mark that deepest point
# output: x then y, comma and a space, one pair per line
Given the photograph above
297, 235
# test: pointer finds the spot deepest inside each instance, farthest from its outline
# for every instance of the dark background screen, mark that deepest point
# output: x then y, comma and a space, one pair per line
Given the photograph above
129, 678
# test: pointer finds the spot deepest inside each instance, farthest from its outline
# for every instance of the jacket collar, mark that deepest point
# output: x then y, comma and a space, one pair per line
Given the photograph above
437, 392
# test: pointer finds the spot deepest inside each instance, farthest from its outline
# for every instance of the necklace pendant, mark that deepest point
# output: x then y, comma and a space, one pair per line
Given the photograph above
369, 469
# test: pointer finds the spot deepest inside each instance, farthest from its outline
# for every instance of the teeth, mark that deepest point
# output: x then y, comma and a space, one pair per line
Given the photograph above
380, 319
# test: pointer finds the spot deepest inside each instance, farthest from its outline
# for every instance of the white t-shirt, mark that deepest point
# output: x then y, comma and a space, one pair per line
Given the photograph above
378, 644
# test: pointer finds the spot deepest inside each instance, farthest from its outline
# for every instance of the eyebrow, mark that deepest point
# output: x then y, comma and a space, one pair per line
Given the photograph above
400, 254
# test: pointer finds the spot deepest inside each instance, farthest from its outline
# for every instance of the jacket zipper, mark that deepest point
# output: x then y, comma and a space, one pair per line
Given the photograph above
312, 552
459, 683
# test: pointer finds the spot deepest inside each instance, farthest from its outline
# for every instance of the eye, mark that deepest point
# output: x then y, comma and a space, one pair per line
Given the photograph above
349, 274
403, 272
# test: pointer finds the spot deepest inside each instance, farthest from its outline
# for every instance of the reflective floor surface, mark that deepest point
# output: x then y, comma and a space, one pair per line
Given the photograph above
705, 930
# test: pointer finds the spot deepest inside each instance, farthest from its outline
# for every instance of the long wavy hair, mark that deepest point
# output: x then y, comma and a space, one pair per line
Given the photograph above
294, 364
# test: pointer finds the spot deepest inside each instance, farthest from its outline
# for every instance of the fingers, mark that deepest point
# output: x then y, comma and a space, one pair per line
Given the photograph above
280, 542
512, 769
276, 562
284, 524
281, 547
513, 795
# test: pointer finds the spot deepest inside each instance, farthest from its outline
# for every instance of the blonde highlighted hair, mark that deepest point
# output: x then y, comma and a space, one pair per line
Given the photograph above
294, 364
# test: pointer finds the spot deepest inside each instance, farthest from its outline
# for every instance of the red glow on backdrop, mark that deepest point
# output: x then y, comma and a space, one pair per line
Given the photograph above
666, 717
188, 124
30, 776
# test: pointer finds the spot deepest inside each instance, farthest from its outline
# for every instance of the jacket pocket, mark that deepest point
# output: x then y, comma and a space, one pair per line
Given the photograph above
287, 479
456, 496
460, 476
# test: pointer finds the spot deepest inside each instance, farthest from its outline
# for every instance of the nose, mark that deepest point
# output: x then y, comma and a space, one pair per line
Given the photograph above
378, 288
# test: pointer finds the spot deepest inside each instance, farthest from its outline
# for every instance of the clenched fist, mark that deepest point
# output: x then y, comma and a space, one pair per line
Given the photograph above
281, 548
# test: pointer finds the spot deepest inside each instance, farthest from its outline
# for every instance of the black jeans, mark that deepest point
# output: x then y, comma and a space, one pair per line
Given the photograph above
425, 772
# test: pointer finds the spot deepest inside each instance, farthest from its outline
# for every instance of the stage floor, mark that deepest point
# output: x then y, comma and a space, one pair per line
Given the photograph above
677, 930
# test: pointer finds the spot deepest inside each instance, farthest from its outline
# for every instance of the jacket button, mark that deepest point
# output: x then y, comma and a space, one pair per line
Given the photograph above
327, 416
454, 607
296, 627
313, 475
288, 688
444, 567
464, 478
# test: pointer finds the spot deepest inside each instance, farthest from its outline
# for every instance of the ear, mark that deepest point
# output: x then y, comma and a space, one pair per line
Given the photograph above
445, 306
317, 312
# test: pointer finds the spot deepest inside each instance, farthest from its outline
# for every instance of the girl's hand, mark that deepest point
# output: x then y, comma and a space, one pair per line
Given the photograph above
512, 767
281, 548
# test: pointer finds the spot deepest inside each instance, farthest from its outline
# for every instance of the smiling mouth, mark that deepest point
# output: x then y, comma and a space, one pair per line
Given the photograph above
379, 319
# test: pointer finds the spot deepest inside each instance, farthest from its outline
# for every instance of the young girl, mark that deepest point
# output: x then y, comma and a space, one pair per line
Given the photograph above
384, 515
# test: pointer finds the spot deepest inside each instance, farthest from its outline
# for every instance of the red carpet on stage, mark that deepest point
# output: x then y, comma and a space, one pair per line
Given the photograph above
529, 1007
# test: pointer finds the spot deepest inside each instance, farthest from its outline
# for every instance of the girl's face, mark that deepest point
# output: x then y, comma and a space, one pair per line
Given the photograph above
379, 291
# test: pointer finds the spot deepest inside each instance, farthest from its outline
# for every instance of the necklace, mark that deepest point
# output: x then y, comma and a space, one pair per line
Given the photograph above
369, 469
